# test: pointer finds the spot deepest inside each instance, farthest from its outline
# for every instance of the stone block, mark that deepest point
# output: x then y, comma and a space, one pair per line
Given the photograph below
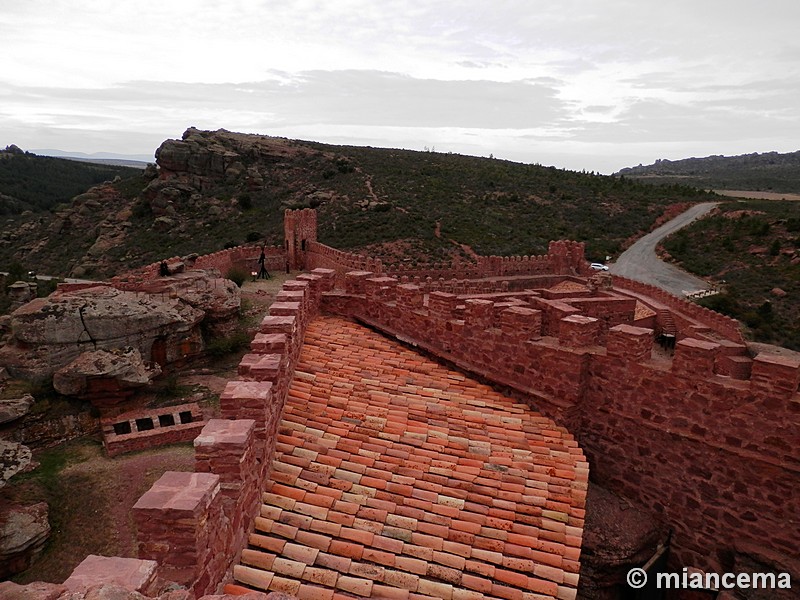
354, 281
694, 357
327, 279
775, 375
442, 304
284, 309
478, 313
268, 368
269, 343
297, 296
278, 324
224, 433
410, 297
134, 574
380, 289
297, 285
579, 330
630, 343
247, 362
736, 367
176, 495
179, 524
246, 399
522, 321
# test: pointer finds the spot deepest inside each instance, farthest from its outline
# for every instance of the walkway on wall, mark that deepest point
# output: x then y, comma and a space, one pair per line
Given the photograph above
397, 478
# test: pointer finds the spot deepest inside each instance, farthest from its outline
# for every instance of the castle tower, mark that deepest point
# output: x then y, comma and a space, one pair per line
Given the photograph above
299, 229
566, 257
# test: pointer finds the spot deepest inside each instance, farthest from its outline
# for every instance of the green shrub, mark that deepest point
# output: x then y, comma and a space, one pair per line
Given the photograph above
223, 346
237, 275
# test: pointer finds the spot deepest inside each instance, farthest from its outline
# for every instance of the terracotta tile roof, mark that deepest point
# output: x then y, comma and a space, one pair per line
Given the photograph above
395, 477
642, 311
569, 286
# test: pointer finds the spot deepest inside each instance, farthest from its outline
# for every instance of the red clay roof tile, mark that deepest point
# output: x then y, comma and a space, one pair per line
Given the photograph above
396, 478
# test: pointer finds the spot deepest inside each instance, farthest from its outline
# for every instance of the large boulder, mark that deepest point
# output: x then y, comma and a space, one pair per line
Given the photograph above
12, 409
49, 333
617, 536
219, 298
23, 533
105, 375
14, 458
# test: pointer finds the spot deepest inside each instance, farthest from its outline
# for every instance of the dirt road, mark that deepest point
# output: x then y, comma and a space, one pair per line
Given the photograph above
640, 262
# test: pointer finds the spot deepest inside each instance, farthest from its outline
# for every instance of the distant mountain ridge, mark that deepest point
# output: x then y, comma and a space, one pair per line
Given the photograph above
29, 182
137, 161
769, 171
215, 189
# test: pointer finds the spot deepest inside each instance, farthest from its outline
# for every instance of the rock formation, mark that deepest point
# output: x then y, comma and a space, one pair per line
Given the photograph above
618, 535
12, 409
208, 291
49, 333
23, 533
14, 458
105, 377
21, 292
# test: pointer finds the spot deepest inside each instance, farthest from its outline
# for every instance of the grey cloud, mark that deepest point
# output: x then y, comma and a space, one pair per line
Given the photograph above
339, 97
658, 121
391, 99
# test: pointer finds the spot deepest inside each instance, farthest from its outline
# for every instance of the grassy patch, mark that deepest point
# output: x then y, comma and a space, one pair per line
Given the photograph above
222, 346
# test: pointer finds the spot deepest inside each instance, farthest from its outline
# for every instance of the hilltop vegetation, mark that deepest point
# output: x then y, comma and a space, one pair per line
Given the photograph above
496, 207
771, 172
39, 183
754, 248
216, 189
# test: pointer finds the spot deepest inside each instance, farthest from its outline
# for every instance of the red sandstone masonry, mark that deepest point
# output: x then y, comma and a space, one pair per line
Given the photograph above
243, 257
116, 444
196, 524
727, 327
717, 455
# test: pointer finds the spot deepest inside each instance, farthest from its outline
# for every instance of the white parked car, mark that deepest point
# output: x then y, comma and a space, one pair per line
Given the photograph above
598, 267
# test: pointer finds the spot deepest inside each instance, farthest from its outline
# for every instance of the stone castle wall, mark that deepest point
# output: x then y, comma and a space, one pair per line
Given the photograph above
708, 439
194, 525
724, 325
241, 257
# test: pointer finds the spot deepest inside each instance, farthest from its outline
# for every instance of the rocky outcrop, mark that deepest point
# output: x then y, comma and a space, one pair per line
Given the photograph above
105, 377
21, 292
23, 533
12, 409
617, 536
14, 458
219, 298
49, 333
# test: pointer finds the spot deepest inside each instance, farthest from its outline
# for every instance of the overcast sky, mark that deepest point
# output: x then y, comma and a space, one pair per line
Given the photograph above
579, 84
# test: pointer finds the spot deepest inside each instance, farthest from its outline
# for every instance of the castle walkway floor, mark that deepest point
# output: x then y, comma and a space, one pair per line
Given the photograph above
395, 477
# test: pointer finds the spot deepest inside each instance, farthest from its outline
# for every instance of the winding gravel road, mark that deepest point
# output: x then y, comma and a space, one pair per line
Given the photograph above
640, 262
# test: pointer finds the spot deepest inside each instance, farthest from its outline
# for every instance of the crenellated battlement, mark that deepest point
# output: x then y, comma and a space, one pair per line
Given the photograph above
578, 355
195, 525
242, 257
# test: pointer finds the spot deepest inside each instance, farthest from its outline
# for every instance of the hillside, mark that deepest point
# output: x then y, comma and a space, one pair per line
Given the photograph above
754, 248
213, 189
39, 183
770, 171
